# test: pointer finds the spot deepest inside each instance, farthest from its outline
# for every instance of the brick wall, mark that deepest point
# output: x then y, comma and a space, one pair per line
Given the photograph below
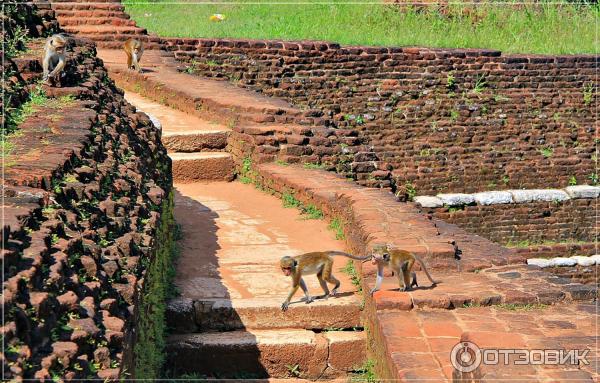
574, 220
459, 120
87, 223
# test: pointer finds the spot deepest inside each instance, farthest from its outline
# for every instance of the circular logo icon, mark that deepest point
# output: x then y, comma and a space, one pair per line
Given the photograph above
465, 356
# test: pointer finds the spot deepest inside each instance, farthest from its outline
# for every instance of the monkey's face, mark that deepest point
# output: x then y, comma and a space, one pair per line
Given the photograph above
58, 47
380, 254
287, 265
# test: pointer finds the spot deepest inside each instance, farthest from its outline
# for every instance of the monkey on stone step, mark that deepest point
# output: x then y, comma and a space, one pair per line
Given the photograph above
401, 263
319, 263
134, 49
53, 61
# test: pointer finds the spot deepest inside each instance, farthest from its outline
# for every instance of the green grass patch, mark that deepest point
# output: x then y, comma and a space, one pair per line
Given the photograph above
149, 349
312, 212
545, 28
336, 225
365, 373
527, 243
354, 277
289, 201
521, 306
313, 166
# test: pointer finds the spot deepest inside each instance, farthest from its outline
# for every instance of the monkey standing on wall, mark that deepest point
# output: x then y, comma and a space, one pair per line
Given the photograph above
401, 262
134, 49
319, 263
53, 61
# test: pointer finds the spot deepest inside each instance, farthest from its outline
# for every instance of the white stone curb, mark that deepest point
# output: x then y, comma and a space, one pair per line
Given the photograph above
509, 196
563, 261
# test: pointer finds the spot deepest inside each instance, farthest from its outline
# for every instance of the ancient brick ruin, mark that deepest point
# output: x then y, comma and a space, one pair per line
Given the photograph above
451, 154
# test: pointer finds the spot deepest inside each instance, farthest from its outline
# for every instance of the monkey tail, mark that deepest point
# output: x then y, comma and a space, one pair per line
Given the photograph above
333, 253
424, 269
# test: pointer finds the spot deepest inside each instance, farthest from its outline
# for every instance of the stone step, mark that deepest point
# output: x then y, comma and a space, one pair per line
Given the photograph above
87, 5
186, 315
78, 20
267, 353
182, 132
212, 166
195, 140
92, 30
91, 13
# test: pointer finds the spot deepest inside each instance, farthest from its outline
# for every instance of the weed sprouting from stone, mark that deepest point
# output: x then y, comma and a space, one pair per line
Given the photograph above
354, 277
365, 373
337, 227
547, 152
312, 212
290, 201
588, 94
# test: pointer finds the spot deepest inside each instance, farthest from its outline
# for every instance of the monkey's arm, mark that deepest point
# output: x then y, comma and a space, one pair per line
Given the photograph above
309, 299
59, 66
295, 285
46, 65
379, 278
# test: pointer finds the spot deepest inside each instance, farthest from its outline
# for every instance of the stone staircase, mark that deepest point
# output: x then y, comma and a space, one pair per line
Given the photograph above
223, 112
228, 322
196, 146
103, 21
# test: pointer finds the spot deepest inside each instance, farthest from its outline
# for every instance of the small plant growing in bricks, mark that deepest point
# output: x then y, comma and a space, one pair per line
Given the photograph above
451, 81
313, 166
593, 178
294, 370
290, 201
354, 277
337, 227
365, 373
312, 212
588, 94
547, 152
282, 163
480, 84
572, 181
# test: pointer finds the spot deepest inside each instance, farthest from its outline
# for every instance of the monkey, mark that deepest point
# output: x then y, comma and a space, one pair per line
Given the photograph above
134, 50
53, 61
319, 263
401, 262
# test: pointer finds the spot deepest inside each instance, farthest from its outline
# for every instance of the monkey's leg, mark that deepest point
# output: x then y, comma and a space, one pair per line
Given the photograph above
309, 299
414, 280
328, 276
55, 74
404, 277
128, 60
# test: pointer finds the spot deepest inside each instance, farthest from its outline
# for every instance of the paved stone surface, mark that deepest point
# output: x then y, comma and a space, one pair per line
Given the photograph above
197, 95
418, 343
233, 238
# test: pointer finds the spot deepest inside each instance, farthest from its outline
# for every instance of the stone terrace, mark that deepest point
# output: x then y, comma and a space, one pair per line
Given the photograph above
489, 297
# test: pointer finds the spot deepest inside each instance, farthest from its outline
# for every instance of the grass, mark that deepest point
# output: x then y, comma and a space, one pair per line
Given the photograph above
365, 373
336, 225
549, 29
309, 211
527, 243
351, 271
